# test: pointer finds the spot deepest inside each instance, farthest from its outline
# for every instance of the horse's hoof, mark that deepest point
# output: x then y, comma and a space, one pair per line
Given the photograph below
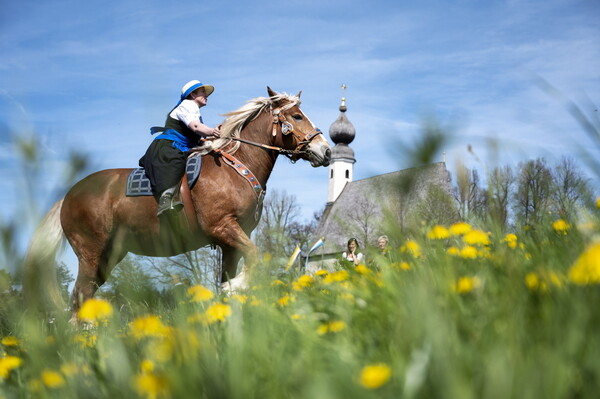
234, 285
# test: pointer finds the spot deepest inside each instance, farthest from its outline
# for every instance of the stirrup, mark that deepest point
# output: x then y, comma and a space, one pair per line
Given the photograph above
164, 203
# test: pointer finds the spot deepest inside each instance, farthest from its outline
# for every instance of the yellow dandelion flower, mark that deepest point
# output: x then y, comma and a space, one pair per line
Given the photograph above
151, 385
297, 317
510, 240
332, 326
240, 298
254, 301
284, 300
586, 269
277, 282
469, 252
8, 363
347, 296
218, 312
374, 376
598, 202
532, 281
476, 237
148, 326
86, 340
460, 228
336, 326
147, 366
303, 281
69, 369
362, 269
555, 279
322, 330
200, 293
561, 226
453, 251
10, 341
466, 284
322, 273
340, 275
401, 266
197, 318
94, 310
543, 280
52, 379
412, 247
438, 232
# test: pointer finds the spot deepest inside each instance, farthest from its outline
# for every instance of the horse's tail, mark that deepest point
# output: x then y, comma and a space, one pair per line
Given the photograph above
40, 285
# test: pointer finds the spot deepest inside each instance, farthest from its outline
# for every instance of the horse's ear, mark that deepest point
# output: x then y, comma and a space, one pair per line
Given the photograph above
298, 95
271, 92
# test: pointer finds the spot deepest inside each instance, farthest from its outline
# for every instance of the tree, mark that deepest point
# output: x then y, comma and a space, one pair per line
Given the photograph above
436, 207
64, 279
569, 189
279, 230
202, 266
130, 285
366, 219
471, 198
500, 190
532, 196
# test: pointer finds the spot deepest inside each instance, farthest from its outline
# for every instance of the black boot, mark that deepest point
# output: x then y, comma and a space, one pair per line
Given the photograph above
164, 203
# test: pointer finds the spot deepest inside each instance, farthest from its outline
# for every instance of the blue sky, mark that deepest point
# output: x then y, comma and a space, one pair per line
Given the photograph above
93, 76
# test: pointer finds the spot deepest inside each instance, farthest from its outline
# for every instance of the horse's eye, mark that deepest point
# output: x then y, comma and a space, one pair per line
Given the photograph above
297, 117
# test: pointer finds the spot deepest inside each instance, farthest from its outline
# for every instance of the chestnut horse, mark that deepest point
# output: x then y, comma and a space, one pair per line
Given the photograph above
102, 224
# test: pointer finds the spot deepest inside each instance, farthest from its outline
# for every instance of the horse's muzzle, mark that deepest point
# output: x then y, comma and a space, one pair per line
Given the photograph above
319, 153
327, 158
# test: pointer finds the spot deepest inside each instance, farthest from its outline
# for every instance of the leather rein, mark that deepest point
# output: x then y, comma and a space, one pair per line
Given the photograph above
286, 128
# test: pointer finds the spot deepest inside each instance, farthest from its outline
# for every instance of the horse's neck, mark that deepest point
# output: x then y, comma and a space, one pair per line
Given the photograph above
259, 160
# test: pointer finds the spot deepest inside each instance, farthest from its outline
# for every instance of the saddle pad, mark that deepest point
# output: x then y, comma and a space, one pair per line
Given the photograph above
138, 183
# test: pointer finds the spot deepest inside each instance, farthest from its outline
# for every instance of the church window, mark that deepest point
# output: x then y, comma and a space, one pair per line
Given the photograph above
347, 174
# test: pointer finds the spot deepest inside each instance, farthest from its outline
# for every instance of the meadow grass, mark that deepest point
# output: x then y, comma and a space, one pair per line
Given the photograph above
453, 312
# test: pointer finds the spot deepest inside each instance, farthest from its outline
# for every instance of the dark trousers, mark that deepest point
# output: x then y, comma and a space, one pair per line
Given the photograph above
164, 165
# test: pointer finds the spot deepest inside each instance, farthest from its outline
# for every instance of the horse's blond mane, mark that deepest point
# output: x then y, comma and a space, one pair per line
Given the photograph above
236, 120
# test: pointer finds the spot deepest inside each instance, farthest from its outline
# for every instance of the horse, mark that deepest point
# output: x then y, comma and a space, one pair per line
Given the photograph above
103, 225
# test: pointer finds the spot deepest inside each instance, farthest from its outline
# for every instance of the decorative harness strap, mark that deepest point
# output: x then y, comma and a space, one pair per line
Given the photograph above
247, 174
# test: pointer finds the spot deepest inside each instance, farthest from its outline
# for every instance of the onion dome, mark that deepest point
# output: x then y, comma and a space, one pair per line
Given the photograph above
342, 131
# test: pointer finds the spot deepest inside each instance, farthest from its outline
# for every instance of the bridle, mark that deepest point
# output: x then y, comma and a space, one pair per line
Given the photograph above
286, 129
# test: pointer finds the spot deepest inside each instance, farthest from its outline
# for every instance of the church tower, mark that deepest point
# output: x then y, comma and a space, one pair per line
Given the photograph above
341, 168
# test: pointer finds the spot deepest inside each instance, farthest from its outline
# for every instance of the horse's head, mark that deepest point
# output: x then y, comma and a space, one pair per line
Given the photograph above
293, 130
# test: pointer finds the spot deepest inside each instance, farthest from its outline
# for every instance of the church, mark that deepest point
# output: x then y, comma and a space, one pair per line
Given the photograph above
368, 208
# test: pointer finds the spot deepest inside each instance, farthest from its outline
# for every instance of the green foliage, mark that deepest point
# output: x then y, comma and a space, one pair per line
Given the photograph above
505, 320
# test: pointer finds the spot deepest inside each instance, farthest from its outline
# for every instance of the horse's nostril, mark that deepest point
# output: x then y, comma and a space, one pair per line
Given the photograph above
328, 154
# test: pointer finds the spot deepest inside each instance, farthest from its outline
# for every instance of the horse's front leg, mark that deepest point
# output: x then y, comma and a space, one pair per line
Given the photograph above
235, 243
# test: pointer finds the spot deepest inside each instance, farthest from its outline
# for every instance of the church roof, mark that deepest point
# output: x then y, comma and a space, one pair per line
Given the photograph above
371, 200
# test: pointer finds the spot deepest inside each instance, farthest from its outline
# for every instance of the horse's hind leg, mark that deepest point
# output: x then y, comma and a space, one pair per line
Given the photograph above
93, 272
86, 284
229, 263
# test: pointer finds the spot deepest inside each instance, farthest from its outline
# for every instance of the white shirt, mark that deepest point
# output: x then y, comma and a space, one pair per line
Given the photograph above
346, 256
188, 111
